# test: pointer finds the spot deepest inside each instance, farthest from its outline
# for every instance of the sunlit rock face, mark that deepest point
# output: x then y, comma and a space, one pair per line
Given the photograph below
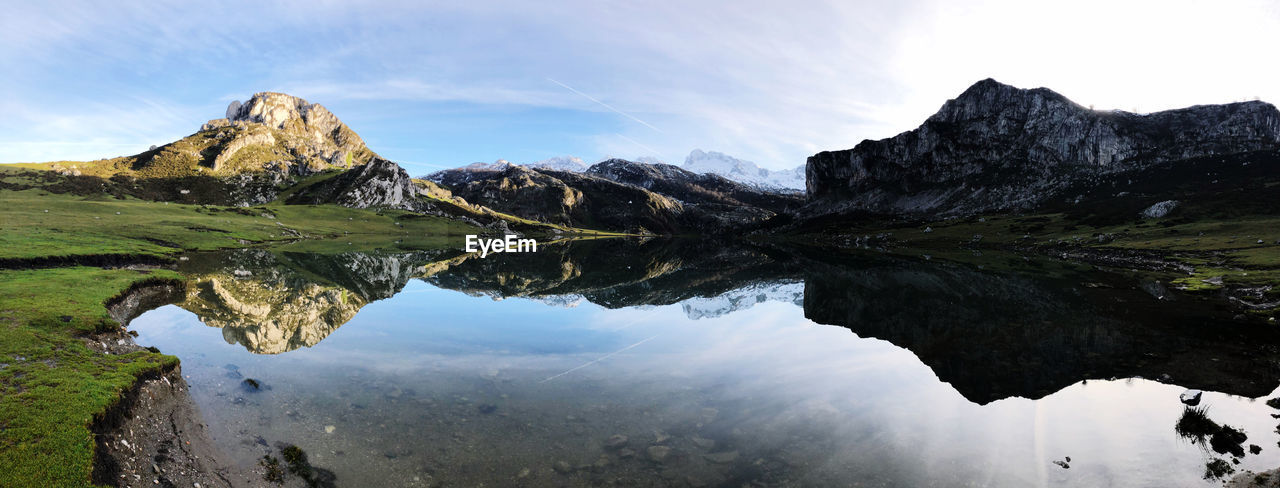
274, 303
997, 147
312, 132
379, 183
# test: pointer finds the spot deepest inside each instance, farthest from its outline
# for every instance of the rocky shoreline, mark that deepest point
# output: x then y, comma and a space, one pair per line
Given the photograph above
155, 434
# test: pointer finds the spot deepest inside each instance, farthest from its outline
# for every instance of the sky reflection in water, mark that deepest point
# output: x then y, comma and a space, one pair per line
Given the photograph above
794, 400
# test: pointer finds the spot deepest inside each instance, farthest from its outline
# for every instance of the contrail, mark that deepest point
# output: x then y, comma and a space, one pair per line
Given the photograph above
605, 105
602, 358
642, 146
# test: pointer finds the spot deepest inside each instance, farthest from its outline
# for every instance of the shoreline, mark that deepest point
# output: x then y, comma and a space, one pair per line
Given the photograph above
155, 434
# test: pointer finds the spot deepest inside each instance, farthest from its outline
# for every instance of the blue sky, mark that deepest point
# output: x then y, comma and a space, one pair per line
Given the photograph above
441, 84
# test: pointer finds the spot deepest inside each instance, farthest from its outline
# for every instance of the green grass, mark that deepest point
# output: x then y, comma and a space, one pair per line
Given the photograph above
38, 224
51, 384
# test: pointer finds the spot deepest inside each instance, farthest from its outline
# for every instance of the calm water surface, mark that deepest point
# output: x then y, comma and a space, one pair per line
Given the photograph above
572, 368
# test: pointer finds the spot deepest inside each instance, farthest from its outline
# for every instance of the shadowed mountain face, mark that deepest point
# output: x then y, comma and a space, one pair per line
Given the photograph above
997, 147
990, 335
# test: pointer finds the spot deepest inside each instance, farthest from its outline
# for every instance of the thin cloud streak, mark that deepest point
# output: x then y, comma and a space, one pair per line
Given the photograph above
605, 105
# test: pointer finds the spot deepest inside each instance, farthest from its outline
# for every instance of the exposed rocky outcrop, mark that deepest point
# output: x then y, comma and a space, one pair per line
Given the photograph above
379, 183
997, 147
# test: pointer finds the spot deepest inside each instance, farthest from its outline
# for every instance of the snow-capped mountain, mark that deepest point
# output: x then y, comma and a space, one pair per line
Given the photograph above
742, 171
744, 298
560, 163
646, 160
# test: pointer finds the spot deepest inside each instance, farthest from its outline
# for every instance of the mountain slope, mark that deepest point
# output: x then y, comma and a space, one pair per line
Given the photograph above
617, 195
689, 187
1001, 148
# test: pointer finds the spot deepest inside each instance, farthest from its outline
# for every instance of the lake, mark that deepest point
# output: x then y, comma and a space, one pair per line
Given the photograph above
665, 362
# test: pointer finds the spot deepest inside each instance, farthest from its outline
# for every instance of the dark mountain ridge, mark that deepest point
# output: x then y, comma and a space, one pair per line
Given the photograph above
1002, 148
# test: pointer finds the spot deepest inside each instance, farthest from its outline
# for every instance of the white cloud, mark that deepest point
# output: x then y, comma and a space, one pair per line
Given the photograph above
765, 81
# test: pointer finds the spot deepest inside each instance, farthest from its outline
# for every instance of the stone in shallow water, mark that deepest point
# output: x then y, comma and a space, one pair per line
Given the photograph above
1190, 397
703, 442
251, 385
616, 441
724, 457
658, 453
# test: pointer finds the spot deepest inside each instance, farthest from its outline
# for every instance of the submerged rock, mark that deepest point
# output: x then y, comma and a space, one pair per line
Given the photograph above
251, 385
658, 453
616, 441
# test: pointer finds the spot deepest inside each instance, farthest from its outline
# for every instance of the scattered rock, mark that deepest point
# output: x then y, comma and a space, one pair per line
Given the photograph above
251, 385
658, 453
601, 463
1063, 464
1190, 397
625, 453
487, 408
562, 467
703, 442
328, 429
1159, 209
724, 457
616, 441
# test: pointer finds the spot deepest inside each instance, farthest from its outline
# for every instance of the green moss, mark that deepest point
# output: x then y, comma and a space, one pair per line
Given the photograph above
51, 384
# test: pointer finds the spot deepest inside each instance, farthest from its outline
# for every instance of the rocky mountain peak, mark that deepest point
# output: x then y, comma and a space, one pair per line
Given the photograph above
281, 128
999, 147
379, 183
989, 97
637, 173
279, 111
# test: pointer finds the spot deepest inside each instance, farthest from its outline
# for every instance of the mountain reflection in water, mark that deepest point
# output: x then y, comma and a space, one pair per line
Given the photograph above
1032, 330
